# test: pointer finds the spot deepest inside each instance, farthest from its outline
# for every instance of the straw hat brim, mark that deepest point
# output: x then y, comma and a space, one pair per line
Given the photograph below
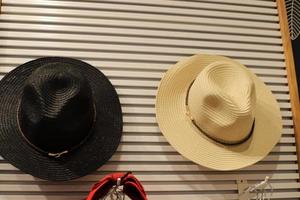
194, 145
93, 153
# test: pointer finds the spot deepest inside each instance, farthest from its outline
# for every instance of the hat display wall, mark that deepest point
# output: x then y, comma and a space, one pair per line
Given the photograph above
60, 118
217, 113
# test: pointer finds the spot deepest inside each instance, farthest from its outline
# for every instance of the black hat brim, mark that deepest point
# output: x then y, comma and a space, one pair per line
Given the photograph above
92, 154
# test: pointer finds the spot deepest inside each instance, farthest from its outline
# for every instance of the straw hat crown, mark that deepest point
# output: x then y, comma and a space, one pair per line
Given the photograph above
221, 102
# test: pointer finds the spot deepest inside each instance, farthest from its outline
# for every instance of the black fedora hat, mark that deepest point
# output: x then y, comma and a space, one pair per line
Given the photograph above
60, 118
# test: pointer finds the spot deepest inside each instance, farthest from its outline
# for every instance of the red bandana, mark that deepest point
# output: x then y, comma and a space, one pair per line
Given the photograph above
131, 187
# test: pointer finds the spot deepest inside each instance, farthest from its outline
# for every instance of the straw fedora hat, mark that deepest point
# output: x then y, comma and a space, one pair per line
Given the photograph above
217, 113
60, 118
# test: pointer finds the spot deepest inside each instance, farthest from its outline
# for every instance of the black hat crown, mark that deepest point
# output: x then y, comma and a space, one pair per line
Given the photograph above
56, 111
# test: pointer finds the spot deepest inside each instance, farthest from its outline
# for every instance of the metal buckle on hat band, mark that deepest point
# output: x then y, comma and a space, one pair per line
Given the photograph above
57, 155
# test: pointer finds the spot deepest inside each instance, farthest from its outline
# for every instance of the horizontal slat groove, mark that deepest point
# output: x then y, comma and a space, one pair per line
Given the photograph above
256, 3
136, 25
150, 187
167, 196
179, 158
203, 5
153, 77
166, 177
134, 157
152, 69
135, 17
94, 31
172, 167
160, 47
167, 148
241, 14
121, 57
135, 66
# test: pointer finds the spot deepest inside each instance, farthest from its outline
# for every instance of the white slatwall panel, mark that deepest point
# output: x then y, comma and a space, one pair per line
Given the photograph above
134, 42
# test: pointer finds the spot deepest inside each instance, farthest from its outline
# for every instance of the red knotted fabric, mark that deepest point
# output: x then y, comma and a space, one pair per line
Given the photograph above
131, 187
